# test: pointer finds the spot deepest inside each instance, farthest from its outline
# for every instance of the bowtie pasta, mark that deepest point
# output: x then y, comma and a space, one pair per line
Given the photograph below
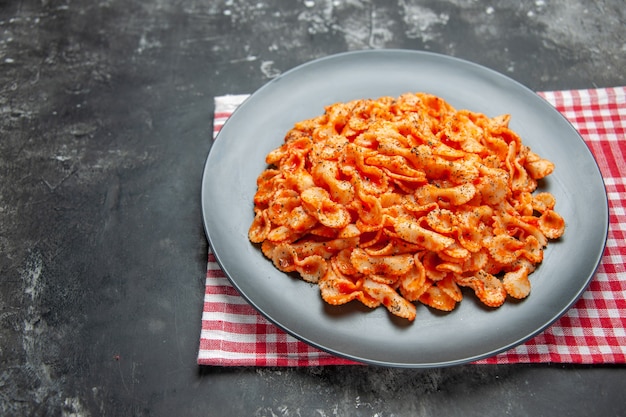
396, 201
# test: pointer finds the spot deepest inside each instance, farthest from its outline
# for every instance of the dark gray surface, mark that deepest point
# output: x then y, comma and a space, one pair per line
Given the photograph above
104, 128
470, 332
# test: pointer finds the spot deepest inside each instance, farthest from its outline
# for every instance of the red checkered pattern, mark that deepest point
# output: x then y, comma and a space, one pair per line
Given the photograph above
593, 331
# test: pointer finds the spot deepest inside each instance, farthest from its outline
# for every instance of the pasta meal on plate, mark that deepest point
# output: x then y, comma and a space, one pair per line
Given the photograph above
400, 201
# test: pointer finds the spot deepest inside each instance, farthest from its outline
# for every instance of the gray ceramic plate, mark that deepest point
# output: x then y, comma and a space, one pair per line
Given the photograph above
468, 333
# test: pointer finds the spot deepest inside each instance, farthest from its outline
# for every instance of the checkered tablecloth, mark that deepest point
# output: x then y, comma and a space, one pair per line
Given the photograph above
592, 332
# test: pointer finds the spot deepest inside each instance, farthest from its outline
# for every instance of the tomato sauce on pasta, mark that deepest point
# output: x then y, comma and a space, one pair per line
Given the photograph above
399, 201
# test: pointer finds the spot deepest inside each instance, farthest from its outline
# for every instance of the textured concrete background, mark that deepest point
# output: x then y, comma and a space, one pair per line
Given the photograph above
105, 120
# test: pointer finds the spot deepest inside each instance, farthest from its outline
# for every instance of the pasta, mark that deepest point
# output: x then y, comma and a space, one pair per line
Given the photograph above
404, 201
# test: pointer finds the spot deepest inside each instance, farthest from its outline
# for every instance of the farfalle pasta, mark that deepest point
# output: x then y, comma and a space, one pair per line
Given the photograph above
403, 201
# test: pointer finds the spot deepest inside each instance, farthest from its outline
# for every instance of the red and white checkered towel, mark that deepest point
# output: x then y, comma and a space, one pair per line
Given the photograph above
592, 332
